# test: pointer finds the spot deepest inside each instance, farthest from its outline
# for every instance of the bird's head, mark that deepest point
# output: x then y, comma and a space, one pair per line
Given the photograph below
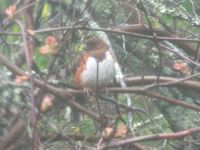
96, 48
95, 44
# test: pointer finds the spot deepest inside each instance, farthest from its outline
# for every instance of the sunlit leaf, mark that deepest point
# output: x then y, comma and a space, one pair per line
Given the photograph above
46, 10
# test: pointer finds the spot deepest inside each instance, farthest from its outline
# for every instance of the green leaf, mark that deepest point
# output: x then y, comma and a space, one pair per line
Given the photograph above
41, 60
46, 10
4, 4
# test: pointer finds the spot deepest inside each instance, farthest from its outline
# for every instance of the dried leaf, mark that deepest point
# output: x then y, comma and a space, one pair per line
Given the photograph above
21, 79
31, 32
10, 11
46, 49
121, 131
182, 67
107, 132
47, 102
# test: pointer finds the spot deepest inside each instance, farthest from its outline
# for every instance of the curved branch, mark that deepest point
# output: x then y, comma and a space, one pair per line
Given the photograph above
176, 135
188, 84
155, 95
137, 30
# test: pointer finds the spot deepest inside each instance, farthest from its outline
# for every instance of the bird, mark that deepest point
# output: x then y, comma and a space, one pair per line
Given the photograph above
95, 58
94, 68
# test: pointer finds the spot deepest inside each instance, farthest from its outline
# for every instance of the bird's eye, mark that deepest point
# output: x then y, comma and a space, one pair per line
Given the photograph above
87, 47
90, 46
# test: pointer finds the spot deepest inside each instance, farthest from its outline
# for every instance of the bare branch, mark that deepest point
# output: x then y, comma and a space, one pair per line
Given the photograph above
176, 135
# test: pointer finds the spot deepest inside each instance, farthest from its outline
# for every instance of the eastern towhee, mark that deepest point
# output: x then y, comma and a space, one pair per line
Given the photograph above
96, 57
96, 53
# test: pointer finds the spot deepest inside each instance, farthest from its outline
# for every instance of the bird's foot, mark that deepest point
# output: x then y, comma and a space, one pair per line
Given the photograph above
87, 91
106, 89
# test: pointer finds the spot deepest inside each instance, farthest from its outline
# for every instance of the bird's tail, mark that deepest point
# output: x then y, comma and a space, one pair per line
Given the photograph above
74, 114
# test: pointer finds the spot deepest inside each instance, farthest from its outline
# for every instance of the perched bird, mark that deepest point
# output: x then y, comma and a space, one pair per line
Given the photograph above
95, 62
95, 58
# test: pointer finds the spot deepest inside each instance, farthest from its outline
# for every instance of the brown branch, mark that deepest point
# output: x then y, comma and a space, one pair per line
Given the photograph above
28, 48
155, 95
64, 94
181, 55
173, 101
138, 30
188, 84
68, 93
19, 145
81, 137
137, 146
12, 134
154, 137
141, 29
76, 137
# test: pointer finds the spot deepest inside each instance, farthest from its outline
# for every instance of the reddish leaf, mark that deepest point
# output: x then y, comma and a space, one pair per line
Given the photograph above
47, 102
50, 47
51, 40
10, 11
21, 79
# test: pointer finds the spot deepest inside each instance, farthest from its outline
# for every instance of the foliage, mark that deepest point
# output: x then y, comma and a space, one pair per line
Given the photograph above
147, 37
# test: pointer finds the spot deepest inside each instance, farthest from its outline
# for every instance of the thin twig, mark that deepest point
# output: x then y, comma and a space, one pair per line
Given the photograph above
28, 58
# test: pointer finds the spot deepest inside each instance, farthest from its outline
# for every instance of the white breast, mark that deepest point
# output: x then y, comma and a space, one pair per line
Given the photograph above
105, 74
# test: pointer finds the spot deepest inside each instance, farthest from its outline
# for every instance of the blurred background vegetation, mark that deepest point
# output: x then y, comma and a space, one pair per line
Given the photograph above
69, 22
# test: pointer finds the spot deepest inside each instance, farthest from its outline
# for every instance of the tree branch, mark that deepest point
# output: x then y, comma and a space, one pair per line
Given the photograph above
176, 135
68, 93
